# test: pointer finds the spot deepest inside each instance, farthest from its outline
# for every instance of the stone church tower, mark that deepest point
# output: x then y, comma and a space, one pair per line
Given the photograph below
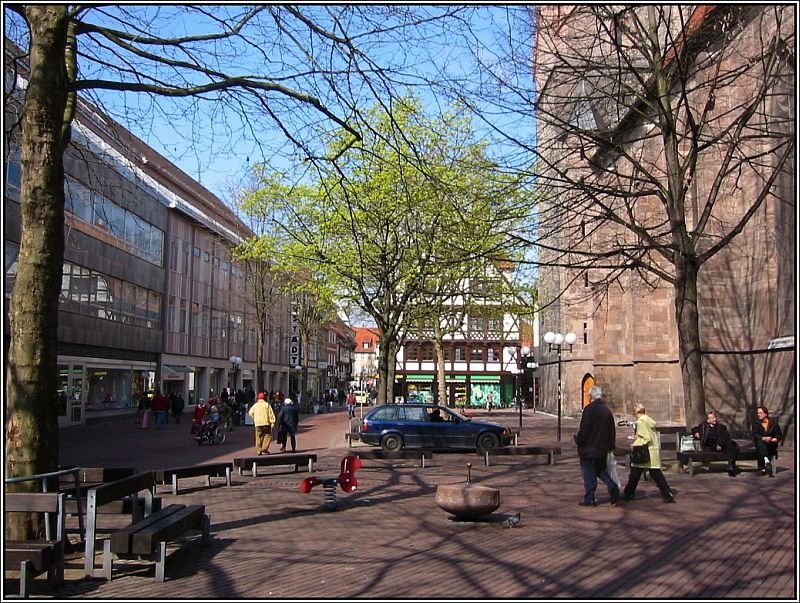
666, 137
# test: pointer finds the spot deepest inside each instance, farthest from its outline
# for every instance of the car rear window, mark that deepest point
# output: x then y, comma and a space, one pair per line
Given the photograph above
413, 413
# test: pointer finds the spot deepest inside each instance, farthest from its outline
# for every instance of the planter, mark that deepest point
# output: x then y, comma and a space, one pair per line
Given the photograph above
467, 501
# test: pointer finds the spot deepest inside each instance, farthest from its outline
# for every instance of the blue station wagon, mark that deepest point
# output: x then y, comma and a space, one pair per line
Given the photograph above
397, 426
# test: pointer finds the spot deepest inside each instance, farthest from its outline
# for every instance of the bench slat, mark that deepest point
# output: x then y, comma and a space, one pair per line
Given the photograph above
212, 469
123, 487
115, 507
550, 452
121, 539
531, 450
41, 553
32, 502
271, 460
393, 454
146, 539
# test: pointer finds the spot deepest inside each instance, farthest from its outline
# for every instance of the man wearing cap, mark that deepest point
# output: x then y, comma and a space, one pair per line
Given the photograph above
263, 419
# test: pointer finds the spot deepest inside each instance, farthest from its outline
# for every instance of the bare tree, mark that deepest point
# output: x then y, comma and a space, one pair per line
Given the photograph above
661, 141
665, 143
299, 68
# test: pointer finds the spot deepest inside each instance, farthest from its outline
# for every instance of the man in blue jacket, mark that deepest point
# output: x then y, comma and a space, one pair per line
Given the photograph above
596, 437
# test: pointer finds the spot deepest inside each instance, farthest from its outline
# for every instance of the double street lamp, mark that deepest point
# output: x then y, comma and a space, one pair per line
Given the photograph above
557, 340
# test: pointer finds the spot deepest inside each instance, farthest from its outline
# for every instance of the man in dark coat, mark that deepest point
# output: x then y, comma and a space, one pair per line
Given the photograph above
596, 437
713, 435
288, 418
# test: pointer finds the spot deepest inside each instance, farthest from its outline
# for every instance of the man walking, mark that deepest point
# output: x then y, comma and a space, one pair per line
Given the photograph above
596, 437
263, 419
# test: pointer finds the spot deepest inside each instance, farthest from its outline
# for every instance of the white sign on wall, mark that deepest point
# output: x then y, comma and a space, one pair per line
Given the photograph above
294, 343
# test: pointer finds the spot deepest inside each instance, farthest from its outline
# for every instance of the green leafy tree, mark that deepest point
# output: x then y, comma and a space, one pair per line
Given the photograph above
415, 199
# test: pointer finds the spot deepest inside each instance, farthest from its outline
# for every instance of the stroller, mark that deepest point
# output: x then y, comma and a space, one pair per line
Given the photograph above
210, 431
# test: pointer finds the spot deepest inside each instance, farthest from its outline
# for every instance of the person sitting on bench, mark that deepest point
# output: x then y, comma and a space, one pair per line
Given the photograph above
713, 435
766, 435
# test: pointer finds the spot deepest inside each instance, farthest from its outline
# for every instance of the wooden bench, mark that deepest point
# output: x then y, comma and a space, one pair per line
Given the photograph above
126, 488
209, 470
550, 452
377, 453
148, 537
89, 477
35, 557
747, 452
252, 463
83, 478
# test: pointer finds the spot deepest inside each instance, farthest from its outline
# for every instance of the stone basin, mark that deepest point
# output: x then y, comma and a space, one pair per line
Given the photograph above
467, 501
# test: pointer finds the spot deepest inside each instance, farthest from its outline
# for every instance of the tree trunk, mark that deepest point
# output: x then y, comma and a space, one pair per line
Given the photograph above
386, 370
691, 358
438, 350
32, 370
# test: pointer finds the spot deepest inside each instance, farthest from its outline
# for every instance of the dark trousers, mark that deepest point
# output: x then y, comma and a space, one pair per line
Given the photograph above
731, 450
636, 473
765, 450
591, 469
289, 437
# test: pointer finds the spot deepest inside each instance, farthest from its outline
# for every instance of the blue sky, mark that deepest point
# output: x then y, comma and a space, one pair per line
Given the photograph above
218, 147
215, 145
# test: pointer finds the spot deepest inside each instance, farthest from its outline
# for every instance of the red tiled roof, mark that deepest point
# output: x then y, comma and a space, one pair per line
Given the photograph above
368, 335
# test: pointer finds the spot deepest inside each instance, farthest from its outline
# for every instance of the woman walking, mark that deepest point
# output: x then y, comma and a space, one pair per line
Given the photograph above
646, 435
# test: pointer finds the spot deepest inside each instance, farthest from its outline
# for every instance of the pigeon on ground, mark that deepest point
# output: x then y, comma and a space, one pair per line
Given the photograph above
512, 521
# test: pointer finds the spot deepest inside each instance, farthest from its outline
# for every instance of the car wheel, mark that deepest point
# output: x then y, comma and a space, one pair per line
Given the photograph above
488, 441
392, 442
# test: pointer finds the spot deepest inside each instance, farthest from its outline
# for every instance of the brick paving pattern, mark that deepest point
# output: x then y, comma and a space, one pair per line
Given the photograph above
725, 537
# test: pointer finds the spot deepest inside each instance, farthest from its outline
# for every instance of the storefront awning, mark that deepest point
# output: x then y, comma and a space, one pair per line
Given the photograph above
412, 378
485, 378
179, 369
176, 372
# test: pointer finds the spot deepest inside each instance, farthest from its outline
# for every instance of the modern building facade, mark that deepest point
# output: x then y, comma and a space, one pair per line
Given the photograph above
151, 298
627, 338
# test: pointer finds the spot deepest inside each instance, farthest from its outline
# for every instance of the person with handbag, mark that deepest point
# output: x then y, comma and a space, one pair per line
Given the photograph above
766, 435
713, 435
596, 437
647, 443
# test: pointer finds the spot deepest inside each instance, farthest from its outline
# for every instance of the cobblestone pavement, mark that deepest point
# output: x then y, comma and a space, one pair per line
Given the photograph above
725, 537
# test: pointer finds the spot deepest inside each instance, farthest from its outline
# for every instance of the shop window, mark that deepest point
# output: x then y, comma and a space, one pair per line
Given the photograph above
476, 355
78, 199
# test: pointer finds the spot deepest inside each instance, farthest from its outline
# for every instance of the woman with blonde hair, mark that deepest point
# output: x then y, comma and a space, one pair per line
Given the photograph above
646, 435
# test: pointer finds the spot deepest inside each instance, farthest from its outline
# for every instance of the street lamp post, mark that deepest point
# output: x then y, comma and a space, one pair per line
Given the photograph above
516, 371
556, 340
236, 362
524, 361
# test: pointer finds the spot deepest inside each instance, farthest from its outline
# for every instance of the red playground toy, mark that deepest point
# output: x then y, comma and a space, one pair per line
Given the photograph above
346, 480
